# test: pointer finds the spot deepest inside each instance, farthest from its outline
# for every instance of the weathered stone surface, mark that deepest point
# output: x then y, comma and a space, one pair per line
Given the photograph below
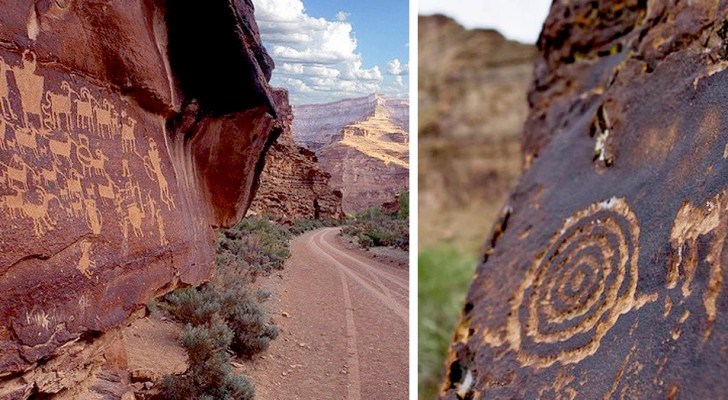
605, 276
293, 185
125, 137
472, 106
363, 143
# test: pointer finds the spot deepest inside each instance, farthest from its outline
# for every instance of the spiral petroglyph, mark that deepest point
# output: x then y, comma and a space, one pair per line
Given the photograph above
577, 288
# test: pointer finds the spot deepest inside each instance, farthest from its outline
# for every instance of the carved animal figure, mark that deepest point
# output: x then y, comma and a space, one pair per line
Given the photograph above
85, 110
17, 174
40, 213
106, 191
58, 107
26, 139
61, 149
105, 116
128, 140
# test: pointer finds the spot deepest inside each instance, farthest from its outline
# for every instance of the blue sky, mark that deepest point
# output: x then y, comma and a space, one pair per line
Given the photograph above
519, 20
326, 50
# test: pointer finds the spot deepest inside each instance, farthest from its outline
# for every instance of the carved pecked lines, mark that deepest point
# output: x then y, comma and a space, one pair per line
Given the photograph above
54, 165
576, 290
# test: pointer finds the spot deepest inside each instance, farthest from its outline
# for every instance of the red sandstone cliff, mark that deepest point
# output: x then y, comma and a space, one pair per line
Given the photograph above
128, 131
363, 143
293, 185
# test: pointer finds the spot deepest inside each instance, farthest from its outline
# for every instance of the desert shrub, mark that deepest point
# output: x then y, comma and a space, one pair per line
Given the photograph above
382, 231
257, 244
209, 375
252, 335
195, 306
302, 226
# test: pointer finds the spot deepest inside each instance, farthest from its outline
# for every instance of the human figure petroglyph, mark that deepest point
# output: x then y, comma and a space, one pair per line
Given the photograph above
125, 171
30, 85
5, 107
59, 105
128, 140
156, 213
85, 263
85, 110
94, 219
153, 167
131, 197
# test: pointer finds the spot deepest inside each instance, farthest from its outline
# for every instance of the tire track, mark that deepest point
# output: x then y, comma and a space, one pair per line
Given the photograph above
394, 306
372, 276
402, 283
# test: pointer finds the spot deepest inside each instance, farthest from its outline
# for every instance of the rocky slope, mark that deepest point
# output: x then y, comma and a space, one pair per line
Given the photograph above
472, 106
605, 276
121, 148
293, 186
363, 143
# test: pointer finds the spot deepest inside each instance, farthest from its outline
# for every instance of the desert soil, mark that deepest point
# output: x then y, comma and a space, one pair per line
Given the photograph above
343, 317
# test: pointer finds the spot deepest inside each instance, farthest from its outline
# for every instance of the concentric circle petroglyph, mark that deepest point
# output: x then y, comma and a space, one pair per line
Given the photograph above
577, 288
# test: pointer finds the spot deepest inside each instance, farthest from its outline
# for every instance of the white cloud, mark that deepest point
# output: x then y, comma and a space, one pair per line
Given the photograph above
316, 58
395, 67
399, 81
516, 19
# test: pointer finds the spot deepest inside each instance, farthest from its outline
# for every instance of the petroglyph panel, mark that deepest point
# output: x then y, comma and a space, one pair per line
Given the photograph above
68, 152
88, 196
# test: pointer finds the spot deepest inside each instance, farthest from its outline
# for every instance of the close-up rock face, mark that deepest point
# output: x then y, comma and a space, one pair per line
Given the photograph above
125, 139
472, 107
605, 276
293, 186
363, 143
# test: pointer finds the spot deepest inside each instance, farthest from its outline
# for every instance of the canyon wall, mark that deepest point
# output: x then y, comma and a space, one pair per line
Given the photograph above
125, 138
363, 143
605, 275
293, 186
472, 107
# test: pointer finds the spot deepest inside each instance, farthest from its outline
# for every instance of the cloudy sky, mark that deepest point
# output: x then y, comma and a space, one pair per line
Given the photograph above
326, 50
516, 19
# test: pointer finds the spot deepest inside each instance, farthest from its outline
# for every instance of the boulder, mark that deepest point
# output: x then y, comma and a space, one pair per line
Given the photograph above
605, 275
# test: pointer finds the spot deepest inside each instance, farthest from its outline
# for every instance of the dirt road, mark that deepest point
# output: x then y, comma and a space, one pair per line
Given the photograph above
344, 325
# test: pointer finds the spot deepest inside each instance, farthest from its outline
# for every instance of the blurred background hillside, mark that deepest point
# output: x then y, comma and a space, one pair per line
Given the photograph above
472, 106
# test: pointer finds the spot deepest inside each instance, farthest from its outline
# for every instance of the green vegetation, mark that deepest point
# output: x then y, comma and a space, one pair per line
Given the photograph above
379, 227
302, 226
444, 277
210, 374
223, 316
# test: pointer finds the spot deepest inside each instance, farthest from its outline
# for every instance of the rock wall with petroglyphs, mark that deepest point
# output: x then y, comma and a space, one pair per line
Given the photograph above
112, 172
605, 275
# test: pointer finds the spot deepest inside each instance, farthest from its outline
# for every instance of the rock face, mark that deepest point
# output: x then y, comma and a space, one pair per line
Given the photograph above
125, 137
293, 186
363, 143
472, 106
605, 276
